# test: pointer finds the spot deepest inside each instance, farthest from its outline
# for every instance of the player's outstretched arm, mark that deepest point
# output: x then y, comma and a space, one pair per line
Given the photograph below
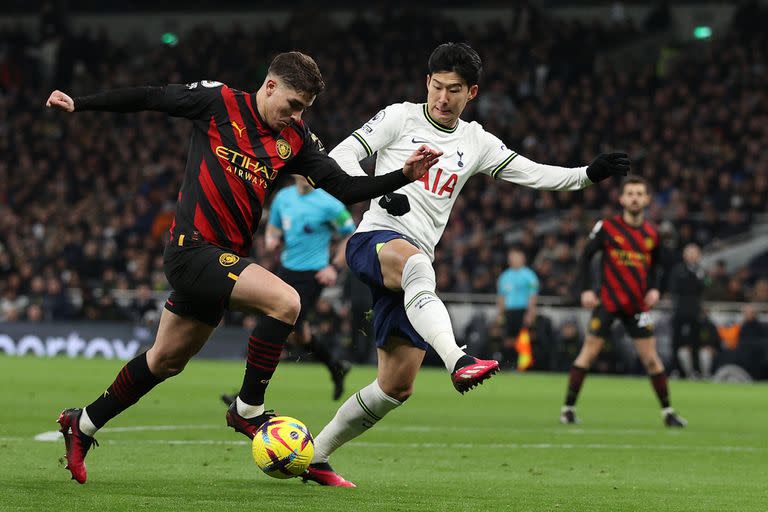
500, 162
188, 101
130, 99
324, 172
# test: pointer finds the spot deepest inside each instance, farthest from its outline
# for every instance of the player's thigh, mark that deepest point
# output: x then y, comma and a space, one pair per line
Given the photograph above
646, 350
258, 289
645, 347
392, 258
399, 363
178, 339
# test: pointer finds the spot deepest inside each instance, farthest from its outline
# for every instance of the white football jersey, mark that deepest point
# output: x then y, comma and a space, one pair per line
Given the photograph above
398, 130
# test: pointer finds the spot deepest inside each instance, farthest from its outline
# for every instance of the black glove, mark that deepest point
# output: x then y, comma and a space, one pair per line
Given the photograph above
395, 204
607, 165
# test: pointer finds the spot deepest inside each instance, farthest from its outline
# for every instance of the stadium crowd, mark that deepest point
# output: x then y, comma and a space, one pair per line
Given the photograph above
86, 200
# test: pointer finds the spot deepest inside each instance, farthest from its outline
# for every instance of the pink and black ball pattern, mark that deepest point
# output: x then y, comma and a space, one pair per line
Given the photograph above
283, 447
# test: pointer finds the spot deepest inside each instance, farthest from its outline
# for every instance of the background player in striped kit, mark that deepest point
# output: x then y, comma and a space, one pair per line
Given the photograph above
630, 287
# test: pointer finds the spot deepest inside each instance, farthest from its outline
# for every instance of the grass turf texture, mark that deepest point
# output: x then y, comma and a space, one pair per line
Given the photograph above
497, 448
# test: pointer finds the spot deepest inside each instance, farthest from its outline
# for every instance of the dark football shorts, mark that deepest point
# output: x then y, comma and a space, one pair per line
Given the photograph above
638, 325
389, 318
202, 276
304, 282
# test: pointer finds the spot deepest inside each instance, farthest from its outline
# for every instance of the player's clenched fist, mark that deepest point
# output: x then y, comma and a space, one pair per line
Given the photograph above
420, 162
61, 101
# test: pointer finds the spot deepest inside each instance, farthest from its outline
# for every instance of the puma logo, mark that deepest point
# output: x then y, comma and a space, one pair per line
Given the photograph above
239, 130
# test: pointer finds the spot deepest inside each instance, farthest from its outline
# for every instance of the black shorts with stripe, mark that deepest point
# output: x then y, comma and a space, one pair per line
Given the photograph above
202, 276
638, 325
304, 282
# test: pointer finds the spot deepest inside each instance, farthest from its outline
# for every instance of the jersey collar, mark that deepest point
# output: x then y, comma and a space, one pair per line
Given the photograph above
436, 124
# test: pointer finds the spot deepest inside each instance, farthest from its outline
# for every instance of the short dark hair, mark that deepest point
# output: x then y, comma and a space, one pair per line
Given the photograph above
459, 58
635, 180
299, 71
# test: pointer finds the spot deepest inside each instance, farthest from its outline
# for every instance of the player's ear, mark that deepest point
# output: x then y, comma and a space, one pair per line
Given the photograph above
429, 79
472, 92
270, 85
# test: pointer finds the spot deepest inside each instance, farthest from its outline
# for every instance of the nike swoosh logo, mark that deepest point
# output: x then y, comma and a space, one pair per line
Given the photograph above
418, 141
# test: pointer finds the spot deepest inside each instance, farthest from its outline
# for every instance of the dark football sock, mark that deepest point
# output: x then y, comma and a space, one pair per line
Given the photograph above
264, 348
659, 383
576, 377
134, 381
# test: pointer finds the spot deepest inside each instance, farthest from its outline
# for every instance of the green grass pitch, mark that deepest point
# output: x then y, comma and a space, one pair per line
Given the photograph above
499, 447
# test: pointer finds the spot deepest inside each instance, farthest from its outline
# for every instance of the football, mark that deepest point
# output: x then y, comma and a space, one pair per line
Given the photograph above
283, 447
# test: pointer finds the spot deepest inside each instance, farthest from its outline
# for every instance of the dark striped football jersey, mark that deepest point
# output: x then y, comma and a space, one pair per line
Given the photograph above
629, 266
233, 164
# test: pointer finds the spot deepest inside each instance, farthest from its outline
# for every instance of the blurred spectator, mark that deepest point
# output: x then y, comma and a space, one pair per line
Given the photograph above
687, 284
718, 277
751, 353
85, 200
760, 291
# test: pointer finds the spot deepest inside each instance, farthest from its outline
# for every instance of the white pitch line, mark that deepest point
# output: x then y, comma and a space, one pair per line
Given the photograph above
424, 428
554, 430
45, 436
545, 446
160, 427
55, 435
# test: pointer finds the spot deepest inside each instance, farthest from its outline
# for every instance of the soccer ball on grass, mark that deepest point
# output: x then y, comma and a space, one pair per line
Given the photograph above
283, 447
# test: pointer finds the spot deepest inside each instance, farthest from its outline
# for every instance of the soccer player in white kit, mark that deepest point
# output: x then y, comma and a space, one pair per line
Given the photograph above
393, 247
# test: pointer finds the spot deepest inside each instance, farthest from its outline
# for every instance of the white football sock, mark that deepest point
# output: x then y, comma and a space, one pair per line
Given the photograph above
85, 425
248, 411
686, 360
426, 311
360, 412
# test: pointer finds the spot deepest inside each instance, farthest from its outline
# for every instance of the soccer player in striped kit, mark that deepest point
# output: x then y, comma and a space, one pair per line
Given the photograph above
241, 143
630, 275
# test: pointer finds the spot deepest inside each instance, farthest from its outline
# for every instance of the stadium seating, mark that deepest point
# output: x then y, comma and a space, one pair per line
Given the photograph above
85, 200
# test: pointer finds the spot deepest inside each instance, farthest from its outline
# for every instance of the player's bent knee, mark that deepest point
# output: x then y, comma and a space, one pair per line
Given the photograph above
165, 367
287, 307
654, 365
399, 392
418, 270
